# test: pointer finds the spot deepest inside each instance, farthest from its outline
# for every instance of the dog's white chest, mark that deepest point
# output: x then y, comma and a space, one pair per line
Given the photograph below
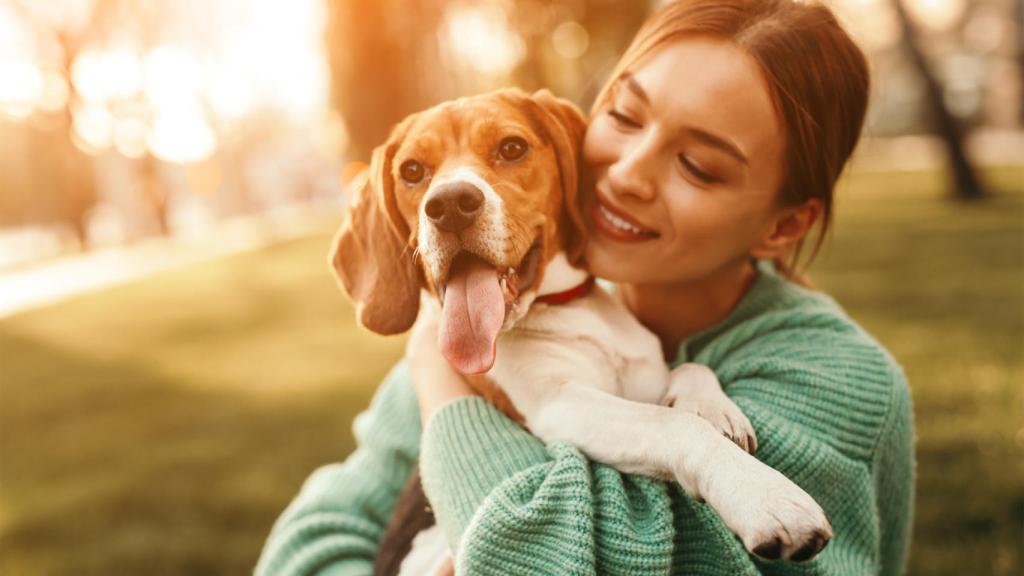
594, 341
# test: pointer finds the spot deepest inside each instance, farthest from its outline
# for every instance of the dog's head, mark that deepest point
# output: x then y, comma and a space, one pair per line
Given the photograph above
469, 200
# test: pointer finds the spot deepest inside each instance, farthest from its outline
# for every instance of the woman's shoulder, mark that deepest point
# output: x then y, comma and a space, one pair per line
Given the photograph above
796, 352
790, 321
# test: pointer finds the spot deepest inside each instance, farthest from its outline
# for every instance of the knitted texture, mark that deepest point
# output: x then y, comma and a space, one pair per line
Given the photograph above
333, 525
830, 407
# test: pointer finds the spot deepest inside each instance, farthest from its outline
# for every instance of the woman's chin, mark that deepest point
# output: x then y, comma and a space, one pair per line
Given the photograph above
608, 263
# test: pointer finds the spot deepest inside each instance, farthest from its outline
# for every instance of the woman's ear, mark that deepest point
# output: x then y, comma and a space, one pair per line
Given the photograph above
370, 254
566, 126
790, 226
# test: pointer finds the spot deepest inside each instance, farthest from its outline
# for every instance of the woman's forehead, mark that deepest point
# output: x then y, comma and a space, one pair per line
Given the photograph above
709, 85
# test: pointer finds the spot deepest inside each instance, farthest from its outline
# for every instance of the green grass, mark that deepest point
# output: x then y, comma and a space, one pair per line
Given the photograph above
160, 427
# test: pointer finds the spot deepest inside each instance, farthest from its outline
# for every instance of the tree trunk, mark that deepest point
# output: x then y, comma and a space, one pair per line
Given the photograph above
1019, 16
385, 64
965, 178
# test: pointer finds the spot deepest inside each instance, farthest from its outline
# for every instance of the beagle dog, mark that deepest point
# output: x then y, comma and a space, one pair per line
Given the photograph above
473, 205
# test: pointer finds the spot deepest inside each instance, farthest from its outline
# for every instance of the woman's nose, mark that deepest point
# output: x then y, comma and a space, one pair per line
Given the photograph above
634, 172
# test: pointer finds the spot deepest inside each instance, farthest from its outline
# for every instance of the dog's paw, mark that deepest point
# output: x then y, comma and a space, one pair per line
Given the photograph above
694, 388
773, 517
724, 415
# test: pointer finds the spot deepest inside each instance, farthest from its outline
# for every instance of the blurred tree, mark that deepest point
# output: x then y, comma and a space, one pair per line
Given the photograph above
389, 58
55, 186
967, 184
61, 186
612, 24
385, 64
572, 45
71, 191
1019, 18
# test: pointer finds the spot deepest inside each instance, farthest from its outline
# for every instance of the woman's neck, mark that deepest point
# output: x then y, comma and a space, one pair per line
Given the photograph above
676, 311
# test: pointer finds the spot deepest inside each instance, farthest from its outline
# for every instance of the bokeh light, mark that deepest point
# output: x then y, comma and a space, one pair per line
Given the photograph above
936, 14
171, 98
477, 36
570, 40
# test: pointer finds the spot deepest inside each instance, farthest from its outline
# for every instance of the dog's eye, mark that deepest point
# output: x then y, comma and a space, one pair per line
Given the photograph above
512, 148
412, 171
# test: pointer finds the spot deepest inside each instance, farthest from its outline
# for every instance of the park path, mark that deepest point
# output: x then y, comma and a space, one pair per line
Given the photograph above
66, 276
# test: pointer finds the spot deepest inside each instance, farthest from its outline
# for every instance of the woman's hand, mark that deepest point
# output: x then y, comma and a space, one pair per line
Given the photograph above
436, 382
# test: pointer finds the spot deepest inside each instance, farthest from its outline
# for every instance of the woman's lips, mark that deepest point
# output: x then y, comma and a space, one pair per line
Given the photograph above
613, 224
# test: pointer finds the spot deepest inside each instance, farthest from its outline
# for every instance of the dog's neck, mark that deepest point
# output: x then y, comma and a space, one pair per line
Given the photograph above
560, 276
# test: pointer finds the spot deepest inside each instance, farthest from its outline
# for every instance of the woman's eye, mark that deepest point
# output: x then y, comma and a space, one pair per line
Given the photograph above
692, 168
412, 171
512, 148
622, 119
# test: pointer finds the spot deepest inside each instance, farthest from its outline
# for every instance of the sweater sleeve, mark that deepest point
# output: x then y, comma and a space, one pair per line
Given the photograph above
832, 412
332, 527
510, 505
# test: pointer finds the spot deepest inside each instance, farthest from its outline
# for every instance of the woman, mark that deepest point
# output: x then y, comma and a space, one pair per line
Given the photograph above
711, 154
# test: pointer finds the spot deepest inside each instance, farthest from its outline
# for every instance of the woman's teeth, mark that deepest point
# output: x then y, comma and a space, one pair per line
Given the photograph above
619, 222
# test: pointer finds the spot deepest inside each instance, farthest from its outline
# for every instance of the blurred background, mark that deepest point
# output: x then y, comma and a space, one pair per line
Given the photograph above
175, 358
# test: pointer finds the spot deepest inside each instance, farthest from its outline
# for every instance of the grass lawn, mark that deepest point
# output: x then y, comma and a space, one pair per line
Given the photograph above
161, 426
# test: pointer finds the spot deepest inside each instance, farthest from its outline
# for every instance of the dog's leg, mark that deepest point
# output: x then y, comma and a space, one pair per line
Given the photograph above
771, 515
694, 388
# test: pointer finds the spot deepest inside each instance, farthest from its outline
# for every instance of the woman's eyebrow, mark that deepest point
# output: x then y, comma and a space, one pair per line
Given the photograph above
704, 136
718, 142
635, 87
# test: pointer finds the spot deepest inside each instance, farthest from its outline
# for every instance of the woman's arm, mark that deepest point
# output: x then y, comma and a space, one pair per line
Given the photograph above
334, 524
507, 503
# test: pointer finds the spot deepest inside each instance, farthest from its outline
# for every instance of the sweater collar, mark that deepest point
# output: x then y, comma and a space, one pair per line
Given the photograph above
768, 290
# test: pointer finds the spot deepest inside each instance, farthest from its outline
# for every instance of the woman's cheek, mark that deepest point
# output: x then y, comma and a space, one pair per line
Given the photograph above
599, 144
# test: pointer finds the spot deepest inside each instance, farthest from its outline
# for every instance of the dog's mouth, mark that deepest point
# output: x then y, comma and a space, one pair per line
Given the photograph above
476, 298
513, 281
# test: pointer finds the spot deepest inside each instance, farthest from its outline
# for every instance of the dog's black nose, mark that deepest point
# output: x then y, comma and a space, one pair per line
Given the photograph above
453, 207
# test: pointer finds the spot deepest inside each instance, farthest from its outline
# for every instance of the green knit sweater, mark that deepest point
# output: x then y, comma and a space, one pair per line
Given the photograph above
830, 407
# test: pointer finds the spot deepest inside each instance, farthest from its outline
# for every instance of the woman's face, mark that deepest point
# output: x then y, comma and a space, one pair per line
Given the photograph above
683, 164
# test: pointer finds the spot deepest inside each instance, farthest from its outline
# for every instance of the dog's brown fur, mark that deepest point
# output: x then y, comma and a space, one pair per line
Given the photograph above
373, 253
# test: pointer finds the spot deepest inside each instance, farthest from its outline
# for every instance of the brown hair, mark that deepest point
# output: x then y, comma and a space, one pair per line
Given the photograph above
816, 76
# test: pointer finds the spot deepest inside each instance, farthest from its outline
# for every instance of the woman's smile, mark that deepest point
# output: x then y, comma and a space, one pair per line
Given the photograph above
616, 225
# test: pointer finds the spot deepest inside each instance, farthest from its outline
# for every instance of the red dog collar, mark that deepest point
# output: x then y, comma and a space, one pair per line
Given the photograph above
568, 295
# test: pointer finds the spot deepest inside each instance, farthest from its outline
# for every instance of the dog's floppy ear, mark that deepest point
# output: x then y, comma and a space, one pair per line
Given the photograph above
566, 125
370, 256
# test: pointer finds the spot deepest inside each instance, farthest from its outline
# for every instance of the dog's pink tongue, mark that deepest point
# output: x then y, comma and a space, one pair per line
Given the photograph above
474, 310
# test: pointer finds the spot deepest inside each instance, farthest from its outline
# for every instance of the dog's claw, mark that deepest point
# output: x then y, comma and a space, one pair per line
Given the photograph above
724, 415
809, 550
771, 550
